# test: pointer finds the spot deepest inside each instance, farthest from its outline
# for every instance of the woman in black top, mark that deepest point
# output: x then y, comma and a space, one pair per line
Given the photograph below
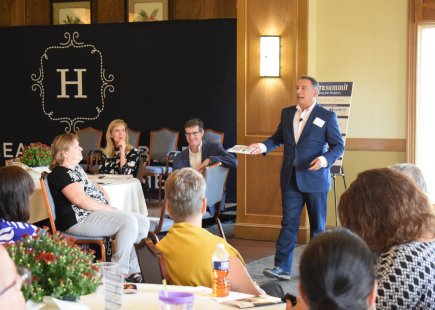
83, 208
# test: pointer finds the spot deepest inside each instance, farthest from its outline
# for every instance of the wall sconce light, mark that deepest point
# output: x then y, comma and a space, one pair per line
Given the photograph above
269, 56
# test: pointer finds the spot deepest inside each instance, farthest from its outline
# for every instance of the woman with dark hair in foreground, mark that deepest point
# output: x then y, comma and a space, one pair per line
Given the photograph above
16, 187
393, 215
337, 272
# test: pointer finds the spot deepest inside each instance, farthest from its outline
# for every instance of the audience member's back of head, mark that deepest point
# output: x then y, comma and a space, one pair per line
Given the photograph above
337, 271
185, 191
386, 208
413, 172
16, 186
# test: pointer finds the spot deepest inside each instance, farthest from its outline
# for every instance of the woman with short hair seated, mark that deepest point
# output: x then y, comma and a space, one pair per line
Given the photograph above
122, 157
337, 272
16, 187
392, 214
83, 208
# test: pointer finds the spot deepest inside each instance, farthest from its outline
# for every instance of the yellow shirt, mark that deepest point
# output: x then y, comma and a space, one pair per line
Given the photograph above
188, 251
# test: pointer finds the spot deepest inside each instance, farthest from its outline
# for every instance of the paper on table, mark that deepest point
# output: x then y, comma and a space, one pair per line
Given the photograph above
241, 149
232, 296
253, 302
107, 178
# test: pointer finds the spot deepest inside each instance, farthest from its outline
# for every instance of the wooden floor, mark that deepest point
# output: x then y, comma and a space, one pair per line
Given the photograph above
251, 249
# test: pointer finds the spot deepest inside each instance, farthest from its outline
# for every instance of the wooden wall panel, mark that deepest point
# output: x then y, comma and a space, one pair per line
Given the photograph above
109, 11
259, 105
12, 12
424, 10
37, 12
203, 9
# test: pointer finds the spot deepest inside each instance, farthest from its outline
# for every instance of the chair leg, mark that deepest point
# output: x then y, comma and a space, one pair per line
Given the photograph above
103, 251
160, 189
221, 230
218, 221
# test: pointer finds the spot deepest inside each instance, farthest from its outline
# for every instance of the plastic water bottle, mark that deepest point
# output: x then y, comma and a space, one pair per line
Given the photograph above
221, 267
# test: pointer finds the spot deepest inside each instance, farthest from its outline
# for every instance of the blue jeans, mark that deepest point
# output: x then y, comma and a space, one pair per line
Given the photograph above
293, 202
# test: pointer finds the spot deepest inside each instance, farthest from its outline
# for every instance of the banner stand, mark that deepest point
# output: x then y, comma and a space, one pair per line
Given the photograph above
336, 97
334, 180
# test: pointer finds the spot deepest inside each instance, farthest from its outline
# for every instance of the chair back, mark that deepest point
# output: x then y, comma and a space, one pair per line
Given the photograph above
162, 141
216, 178
89, 139
93, 162
139, 170
49, 202
213, 136
152, 262
134, 136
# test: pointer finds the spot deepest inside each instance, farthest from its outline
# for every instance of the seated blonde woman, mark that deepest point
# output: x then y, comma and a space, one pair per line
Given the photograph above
122, 157
83, 208
392, 214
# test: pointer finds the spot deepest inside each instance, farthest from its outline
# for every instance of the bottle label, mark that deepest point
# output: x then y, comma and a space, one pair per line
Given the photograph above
222, 265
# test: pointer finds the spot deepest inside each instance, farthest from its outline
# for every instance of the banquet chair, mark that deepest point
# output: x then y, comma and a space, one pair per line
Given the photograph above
90, 140
134, 136
215, 177
213, 136
103, 242
94, 160
152, 262
162, 143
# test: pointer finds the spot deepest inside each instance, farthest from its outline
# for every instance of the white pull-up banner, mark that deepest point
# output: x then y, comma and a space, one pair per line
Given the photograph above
336, 96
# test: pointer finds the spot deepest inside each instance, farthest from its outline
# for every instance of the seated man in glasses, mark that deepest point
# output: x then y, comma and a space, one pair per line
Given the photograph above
11, 296
201, 154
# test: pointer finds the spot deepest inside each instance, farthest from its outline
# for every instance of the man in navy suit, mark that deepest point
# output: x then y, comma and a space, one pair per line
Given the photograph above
312, 143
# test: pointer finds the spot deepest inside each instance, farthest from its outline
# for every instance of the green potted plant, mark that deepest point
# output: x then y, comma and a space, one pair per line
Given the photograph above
36, 158
36, 154
59, 267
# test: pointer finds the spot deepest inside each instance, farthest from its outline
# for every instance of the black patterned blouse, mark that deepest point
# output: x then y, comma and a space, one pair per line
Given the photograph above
68, 214
406, 277
111, 165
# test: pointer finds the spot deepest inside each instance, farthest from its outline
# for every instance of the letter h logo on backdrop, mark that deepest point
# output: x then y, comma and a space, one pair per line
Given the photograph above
72, 82
78, 82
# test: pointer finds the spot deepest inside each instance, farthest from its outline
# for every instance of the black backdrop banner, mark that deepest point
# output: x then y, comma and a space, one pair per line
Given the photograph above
56, 79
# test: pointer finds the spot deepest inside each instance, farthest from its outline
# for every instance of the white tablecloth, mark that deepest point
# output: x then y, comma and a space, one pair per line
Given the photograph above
125, 193
147, 298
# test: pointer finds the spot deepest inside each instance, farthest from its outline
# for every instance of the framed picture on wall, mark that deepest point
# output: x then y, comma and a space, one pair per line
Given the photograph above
71, 12
146, 10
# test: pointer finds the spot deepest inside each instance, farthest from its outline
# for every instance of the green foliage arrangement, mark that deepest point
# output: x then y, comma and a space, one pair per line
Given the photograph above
143, 16
36, 155
59, 267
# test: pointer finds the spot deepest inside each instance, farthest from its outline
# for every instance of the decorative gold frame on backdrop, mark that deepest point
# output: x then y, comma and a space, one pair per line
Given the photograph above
146, 10
71, 12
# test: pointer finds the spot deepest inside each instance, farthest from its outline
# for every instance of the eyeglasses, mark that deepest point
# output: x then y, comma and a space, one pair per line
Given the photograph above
24, 277
192, 133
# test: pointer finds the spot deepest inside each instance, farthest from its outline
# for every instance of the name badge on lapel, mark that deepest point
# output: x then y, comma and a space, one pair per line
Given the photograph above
319, 122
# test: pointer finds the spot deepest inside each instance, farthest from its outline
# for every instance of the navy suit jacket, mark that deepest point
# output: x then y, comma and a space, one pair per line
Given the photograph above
314, 141
215, 152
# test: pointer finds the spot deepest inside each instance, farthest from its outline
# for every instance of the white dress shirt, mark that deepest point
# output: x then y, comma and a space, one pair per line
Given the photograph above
195, 158
299, 122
